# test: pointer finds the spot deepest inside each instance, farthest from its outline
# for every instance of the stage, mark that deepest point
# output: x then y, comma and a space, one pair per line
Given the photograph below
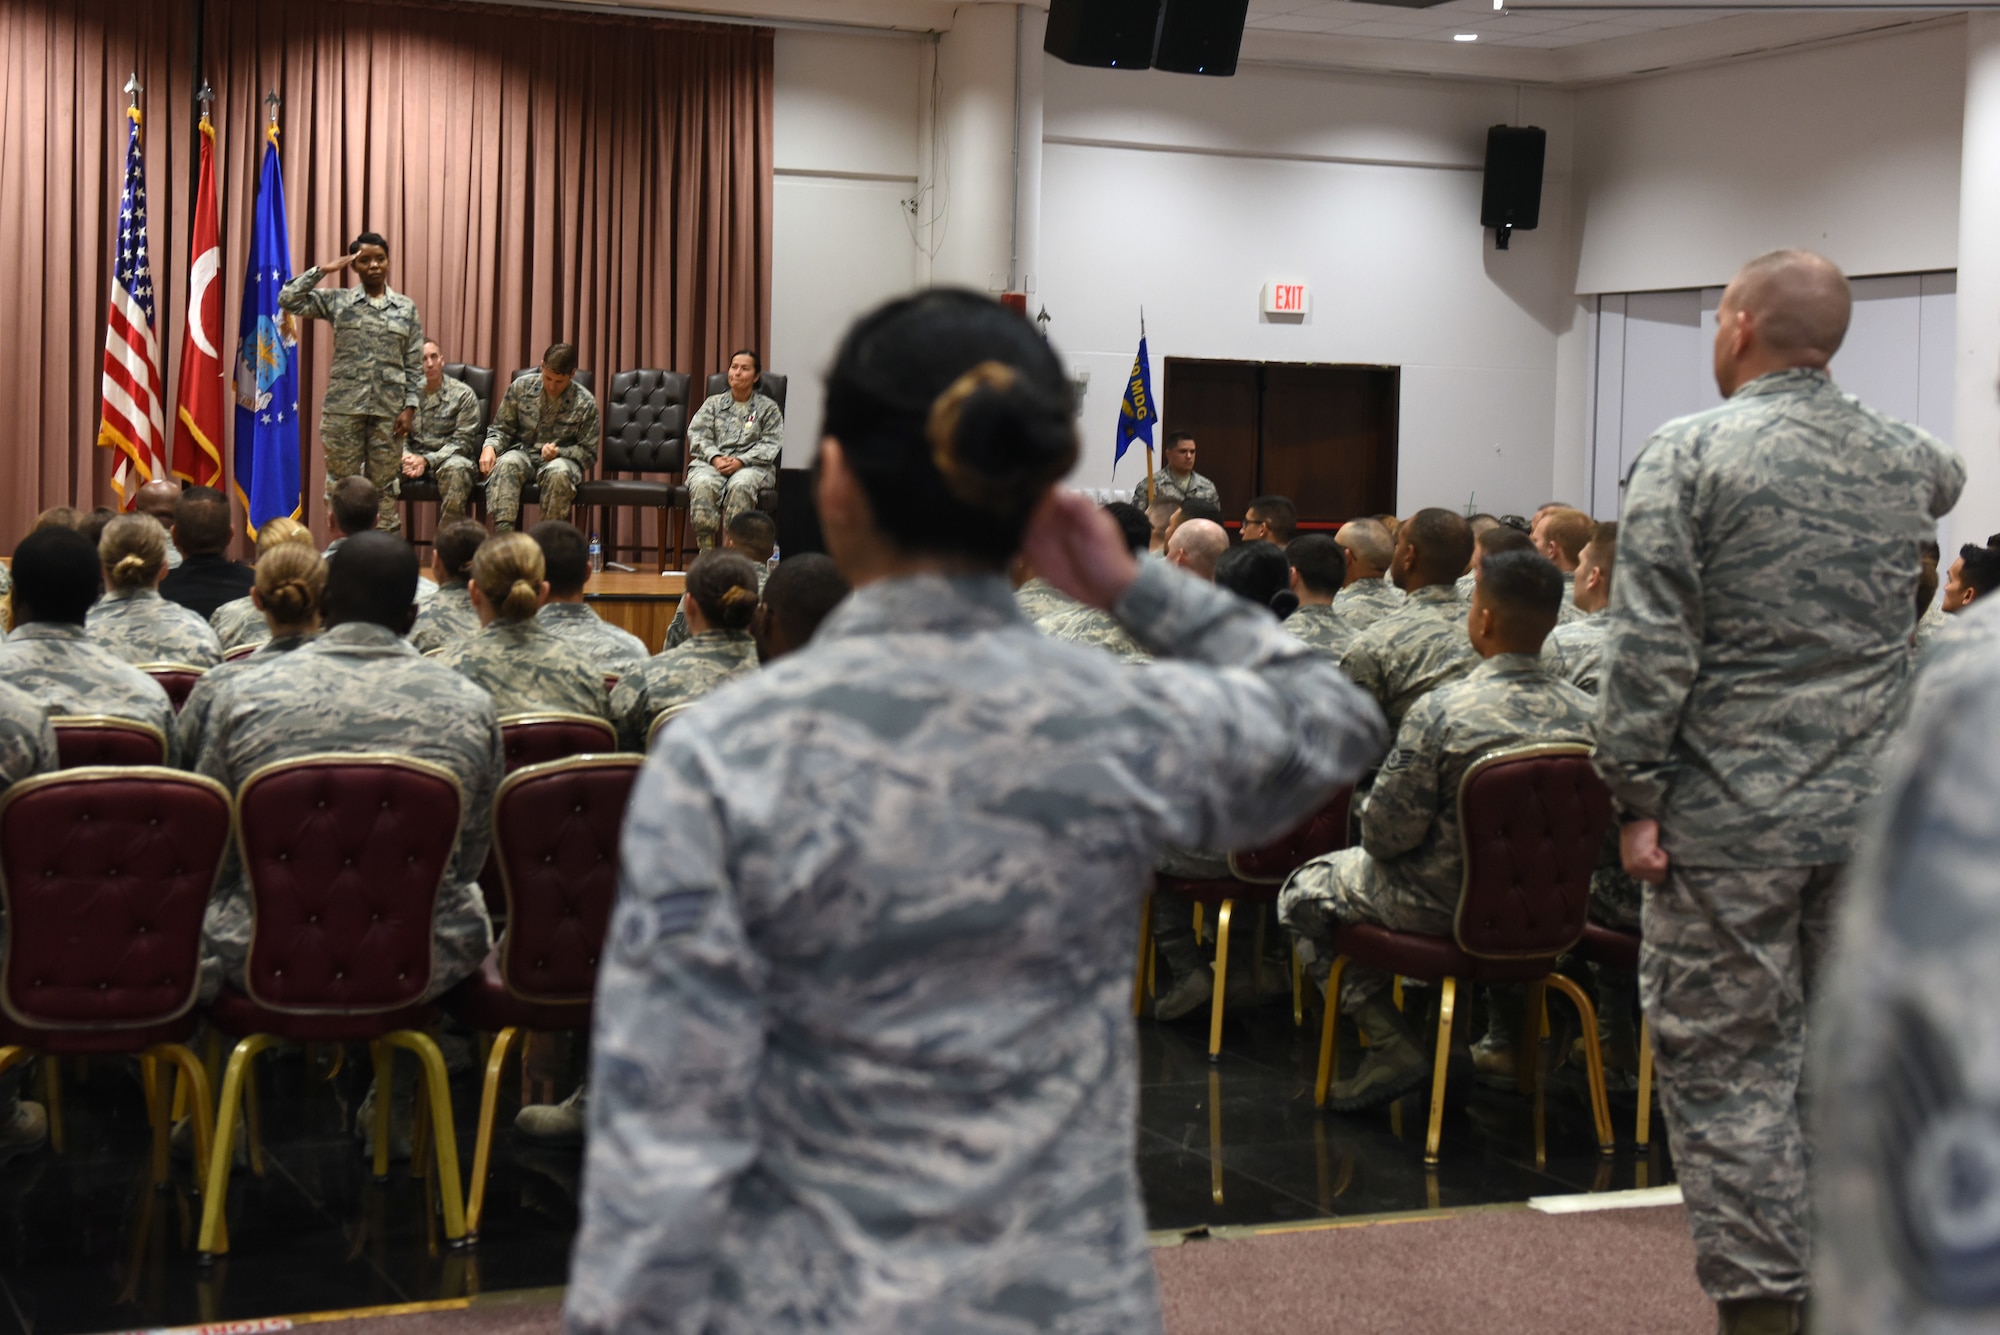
642, 601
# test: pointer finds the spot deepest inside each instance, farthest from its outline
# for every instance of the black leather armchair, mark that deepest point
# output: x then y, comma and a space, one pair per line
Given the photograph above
645, 431
772, 386
424, 489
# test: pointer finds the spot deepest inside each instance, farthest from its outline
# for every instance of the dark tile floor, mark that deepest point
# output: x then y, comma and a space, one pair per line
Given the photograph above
87, 1245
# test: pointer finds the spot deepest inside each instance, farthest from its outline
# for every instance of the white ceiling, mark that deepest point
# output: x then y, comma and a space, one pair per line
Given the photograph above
1568, 42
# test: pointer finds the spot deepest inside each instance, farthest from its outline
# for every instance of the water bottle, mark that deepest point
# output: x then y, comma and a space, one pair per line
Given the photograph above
774, 556
596, 555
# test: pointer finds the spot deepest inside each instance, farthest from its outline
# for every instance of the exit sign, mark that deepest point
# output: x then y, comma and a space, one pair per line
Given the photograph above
1284, 298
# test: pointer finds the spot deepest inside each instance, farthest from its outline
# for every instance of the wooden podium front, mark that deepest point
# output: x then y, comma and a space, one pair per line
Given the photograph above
639, 601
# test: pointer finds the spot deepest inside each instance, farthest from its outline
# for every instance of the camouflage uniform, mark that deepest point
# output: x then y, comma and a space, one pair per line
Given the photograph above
71, 673
447, 437
1414, 650
612, 650
237, 623
143, 627
1410, 867
527, 670
863, 1056
1904, 1038
1041, 601
1366, 601
378, 370
1083, 624
446, 619
1323, 628
1928, 626
677, 629
1575, 651
753, 432
523, 423
1170, 486
27, 743
680, 675
1756, 657
359, 688
6, 604
201, 701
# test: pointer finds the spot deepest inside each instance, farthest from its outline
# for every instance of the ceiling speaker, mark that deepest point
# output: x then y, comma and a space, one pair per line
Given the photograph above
1105, 34
1201, 36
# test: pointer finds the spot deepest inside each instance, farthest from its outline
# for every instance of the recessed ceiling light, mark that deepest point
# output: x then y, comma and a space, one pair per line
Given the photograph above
1465, 37
1499, 5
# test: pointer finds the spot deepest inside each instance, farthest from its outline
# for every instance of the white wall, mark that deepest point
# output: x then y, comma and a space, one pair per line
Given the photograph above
847, 125
1850, 149
1187, 195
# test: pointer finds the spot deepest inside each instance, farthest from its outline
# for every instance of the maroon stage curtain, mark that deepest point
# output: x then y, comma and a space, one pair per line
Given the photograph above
540, 176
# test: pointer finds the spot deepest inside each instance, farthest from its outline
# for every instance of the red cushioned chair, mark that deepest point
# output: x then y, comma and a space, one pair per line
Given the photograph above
241, 651
555, 828
104, 876
344, 857
1620, 950
1532, 821
99, 739
177, 678
536, 739
1256, 876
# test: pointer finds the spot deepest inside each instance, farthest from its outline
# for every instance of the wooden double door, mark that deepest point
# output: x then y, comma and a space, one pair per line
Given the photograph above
1322, 435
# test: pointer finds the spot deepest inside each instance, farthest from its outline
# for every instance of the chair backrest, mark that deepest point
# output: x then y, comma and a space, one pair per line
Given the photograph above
536, 739
240, 651
99, 739
770, 384
555, 829
480, 380
344, 856
105, 873
583, 378
1322, 832
177, 679
645, 422
1531, 822
663, 718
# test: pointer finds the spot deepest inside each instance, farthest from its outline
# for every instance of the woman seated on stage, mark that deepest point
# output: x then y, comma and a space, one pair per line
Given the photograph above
733, 443
240, 621
291, 580
720, 602
132, 620
524, 668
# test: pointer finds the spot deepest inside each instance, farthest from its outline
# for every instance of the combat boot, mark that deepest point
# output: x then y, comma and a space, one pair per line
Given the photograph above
1396, 1063
1189, 993
1758, 1316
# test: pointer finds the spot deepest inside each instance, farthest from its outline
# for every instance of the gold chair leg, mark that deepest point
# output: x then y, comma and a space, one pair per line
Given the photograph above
1645, 1128
213, 1241
157, 1117
1221, 979
253, 1125
1447, 996
191, 1093
384, 1058
437, 1087
1200, 935
1593, 1060
1145, 951
482, 1149
1329, 1040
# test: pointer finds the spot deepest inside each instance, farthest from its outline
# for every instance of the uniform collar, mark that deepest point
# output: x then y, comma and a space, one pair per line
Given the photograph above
527, 628
1510, 665
962, 604
362, 639
131, 595
737, 637
47, 630
1796, 380
565, 612
1435, 593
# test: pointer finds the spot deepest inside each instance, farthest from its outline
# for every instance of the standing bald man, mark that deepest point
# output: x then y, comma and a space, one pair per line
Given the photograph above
1768, 564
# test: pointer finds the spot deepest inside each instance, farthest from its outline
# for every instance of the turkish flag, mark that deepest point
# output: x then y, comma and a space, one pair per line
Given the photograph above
198, 418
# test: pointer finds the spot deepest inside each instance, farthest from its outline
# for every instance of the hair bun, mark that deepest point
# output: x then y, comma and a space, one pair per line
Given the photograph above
995, 442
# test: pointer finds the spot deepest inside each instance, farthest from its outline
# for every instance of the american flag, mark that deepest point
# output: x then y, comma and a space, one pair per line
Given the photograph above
134, 421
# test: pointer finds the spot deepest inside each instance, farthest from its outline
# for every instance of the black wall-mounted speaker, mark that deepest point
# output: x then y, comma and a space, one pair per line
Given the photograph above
1201, 36
1512, 197
1107, 34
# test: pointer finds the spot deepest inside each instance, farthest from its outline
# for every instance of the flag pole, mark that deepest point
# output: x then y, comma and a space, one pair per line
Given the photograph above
1150, 497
